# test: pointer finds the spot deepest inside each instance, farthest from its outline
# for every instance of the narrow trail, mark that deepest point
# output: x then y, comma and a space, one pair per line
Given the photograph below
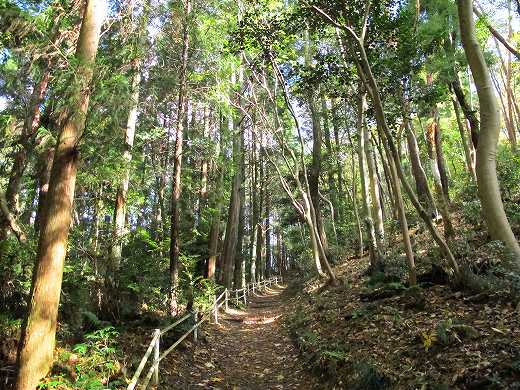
248, 349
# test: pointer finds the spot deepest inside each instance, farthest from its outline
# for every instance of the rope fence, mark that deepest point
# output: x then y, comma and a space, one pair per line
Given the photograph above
235, 296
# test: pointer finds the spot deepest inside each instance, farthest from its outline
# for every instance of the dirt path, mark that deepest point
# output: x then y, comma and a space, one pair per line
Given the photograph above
249, 349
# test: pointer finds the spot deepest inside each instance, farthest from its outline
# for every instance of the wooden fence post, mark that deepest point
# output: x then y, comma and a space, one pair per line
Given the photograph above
226, 300
215, 309
196, 330
156, 357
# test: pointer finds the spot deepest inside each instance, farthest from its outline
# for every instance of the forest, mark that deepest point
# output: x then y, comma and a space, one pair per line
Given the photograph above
269, 194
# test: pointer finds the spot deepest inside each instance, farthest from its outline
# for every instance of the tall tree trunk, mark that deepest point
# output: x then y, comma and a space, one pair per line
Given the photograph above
365, 71
337, 157
355, 207
433, 155
268, 227
30, 127
508, 86
421, 183
412, 273
487, 181
315, 171
329, 158
120, 207
36, 347
260, 224
44, 176
240, 258
375, 257
441, 162
468, 111
254, 205
214, 232
177, 165
203, 193
375, 201
216, 199
307, 209
230, 241
470, 166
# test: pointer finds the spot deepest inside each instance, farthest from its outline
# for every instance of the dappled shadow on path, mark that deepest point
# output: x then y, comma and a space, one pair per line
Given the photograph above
248, 349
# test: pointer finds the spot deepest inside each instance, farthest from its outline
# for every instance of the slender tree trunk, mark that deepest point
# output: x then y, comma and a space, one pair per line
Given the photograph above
230, 241
240, 259
470, 166
315, 171
260, 224
421, 182
98, 209
370, 82
36, 347
388, 181
412, 273
355, 207
337, 158
329, 158
177, 165
120, 207
216, 200
441, 163
433, 155
43, 184
254, 205
487, 181
203, 194
375, 201
469, 113
509, 90
31, 125
375, 258
268, 227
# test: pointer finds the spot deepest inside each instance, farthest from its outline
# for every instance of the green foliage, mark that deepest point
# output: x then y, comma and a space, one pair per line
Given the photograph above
450, 331
9, 327
90, 365
368, 377
15, 275
360, 312
300, 318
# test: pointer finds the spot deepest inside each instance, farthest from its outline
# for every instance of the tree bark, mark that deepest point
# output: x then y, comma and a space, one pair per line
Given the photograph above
468, 112
44, 175
421, 182
329, 158
375, 257
433, 155
470, 166
375, 201
120, 207
487, 181
216, 199
315, 171
412, 273
338, 159
36, 347
254, 205
240, 259
268, 227
177, 166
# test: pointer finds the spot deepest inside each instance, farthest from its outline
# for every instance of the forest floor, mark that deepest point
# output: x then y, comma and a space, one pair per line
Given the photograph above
381, 334
250, 348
